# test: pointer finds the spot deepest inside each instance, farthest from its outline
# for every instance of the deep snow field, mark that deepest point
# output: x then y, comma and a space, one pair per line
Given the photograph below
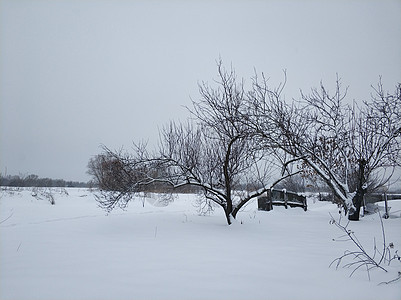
74, 250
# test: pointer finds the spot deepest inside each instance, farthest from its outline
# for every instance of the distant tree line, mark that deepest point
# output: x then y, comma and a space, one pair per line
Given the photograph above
35, 181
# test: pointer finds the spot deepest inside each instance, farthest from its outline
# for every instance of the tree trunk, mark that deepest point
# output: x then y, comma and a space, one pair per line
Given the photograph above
353, 215
228, 217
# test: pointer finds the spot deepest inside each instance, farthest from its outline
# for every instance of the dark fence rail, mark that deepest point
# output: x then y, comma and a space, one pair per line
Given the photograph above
376, 197
368, 198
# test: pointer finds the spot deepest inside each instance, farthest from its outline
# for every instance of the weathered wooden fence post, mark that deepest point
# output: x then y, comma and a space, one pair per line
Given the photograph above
285, 198
386, 215
269, 200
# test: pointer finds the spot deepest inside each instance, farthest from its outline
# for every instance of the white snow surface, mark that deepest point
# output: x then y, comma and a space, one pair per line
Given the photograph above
74, 250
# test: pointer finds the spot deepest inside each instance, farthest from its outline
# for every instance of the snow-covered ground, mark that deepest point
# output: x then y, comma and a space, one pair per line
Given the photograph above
73, 250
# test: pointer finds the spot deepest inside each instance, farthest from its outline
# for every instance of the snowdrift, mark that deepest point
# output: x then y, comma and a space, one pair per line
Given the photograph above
74, 250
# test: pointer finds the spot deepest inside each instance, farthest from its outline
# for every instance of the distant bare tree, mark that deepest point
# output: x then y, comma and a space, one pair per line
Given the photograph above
347, 146
117, 175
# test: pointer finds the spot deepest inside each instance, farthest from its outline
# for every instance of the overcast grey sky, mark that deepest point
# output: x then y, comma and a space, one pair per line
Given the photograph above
75, 74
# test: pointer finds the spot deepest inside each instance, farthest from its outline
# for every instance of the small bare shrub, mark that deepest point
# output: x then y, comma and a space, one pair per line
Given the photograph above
43, 194
360, 258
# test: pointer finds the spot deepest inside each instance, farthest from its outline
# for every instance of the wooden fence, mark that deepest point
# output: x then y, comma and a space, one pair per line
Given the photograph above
281, 198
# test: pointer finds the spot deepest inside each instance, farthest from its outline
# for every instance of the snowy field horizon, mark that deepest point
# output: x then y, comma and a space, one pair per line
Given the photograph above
75, 250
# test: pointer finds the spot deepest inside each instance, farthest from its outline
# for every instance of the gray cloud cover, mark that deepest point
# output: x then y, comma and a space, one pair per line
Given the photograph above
75, 74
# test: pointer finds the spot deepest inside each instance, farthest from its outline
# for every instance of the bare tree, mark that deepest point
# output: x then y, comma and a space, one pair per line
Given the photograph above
377, 142
345, 145
118, 176
215, 151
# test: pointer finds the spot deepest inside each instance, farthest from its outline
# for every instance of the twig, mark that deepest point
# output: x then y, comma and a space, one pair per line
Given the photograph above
391, 281
360, 257
7, 218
